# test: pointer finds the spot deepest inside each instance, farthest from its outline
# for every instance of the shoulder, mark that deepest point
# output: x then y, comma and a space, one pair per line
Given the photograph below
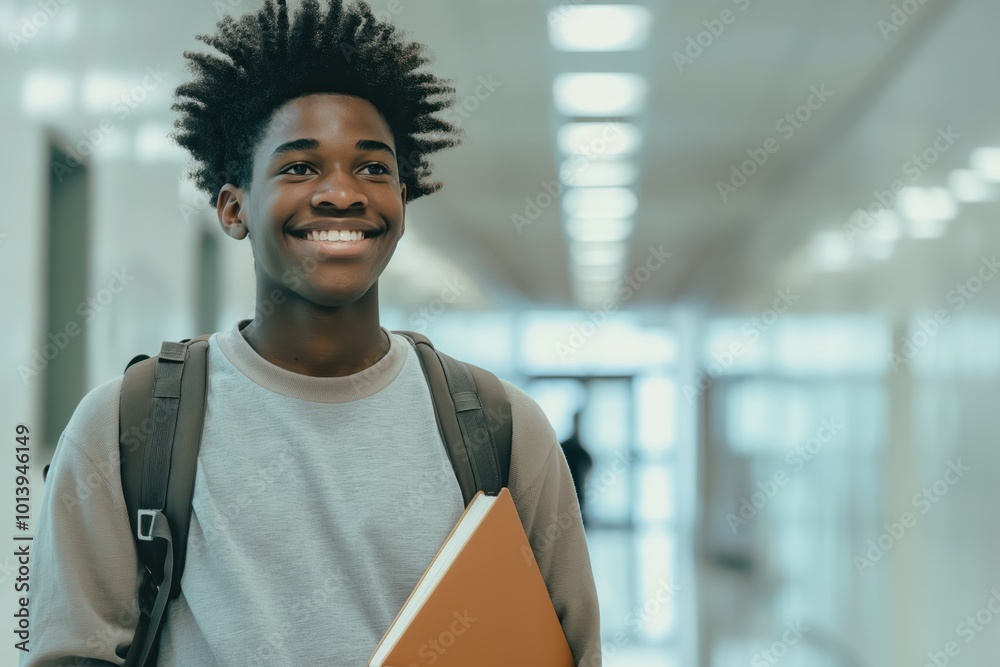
528, 417
533, 438
97, 413
92, 431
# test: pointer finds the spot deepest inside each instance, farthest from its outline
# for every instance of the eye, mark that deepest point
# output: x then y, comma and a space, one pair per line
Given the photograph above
297, 165
378, 166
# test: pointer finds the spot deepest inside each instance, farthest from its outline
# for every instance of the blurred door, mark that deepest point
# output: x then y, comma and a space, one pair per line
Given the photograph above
67, 275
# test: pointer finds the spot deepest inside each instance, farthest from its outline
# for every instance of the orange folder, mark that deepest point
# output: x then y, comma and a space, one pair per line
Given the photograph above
482, 600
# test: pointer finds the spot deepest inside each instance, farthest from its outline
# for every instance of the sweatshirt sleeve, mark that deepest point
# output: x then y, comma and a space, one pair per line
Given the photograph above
83, 589
542, 490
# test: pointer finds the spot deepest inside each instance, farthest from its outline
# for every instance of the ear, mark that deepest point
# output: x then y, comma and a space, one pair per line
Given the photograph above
230, 211
402, 196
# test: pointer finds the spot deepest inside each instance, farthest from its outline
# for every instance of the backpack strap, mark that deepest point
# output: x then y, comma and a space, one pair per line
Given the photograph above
162, 401
473, 415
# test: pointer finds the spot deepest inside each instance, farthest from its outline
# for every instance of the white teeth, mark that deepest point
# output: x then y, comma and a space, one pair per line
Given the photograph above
335, 235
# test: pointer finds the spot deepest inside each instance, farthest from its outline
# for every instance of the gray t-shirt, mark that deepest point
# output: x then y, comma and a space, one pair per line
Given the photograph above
318, 504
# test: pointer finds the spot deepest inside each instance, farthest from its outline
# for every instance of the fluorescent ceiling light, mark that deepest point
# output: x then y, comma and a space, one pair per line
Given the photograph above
589, 300
46, 92
926, 204
100, 90
594, 291
926, 229
600, 203
587, 278
599, 94
831, 251
152, 144
887, 227
599, 229
595, 173
599, 27
878, 249
592, 142
589, 254
986, 162
115, 146
598, 272
967, 186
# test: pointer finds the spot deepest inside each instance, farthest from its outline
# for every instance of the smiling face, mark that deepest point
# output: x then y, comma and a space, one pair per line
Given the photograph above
325, 207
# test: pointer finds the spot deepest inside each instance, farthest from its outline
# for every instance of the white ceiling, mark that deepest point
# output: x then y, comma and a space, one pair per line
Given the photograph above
889, 97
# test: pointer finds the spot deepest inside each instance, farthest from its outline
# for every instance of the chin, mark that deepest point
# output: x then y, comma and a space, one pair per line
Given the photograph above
335, 296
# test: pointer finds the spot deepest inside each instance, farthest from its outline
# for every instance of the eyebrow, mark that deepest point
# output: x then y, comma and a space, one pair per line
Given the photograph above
312, 144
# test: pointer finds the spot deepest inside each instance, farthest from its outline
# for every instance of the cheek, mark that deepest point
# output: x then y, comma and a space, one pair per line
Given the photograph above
267, 228
393, 208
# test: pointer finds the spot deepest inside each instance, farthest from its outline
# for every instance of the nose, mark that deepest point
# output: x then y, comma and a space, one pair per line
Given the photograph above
338, 190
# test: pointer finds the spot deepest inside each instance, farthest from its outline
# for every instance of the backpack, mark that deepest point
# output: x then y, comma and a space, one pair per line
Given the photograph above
163, 404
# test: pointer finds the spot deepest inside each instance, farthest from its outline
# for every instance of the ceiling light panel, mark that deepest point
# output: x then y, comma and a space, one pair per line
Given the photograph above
599, 27
599, 94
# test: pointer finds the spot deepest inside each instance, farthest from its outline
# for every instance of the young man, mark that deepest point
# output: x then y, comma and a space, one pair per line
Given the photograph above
322, 488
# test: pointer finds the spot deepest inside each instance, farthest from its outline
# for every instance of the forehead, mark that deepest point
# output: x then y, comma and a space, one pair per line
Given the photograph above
328, 118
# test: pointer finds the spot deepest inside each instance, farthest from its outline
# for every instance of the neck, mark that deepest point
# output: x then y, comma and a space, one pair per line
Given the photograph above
308, 339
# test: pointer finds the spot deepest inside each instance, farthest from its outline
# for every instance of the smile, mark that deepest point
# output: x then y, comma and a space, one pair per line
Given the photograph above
338, 243
335, 235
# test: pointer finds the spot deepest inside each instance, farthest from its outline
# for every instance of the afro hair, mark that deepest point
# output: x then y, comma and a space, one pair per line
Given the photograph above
269, 60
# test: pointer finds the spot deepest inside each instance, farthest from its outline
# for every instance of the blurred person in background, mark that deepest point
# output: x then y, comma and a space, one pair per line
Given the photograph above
580, 462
